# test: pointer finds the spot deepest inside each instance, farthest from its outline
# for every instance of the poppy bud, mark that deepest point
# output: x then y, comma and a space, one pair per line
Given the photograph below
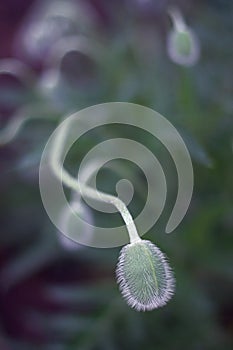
145, 279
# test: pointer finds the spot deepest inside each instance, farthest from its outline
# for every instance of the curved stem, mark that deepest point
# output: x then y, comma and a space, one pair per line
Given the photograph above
8, 133
81, 188
177, 19
18, 70
11, 129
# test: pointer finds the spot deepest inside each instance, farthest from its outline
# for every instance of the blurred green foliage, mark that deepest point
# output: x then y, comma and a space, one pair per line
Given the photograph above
64, 299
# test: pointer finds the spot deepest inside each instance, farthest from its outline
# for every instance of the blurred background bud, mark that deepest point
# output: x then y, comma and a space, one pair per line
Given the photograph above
182, 43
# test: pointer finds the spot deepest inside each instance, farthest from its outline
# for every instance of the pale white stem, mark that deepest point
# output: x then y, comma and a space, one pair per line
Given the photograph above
177, 19
17, 69
8, 133
12, 128
81, 188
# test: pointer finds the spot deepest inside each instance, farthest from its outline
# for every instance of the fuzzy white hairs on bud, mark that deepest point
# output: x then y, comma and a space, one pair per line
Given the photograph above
144, 276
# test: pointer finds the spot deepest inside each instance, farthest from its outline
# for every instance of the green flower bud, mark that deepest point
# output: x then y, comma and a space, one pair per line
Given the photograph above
183, 47
182, 43
144, 276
